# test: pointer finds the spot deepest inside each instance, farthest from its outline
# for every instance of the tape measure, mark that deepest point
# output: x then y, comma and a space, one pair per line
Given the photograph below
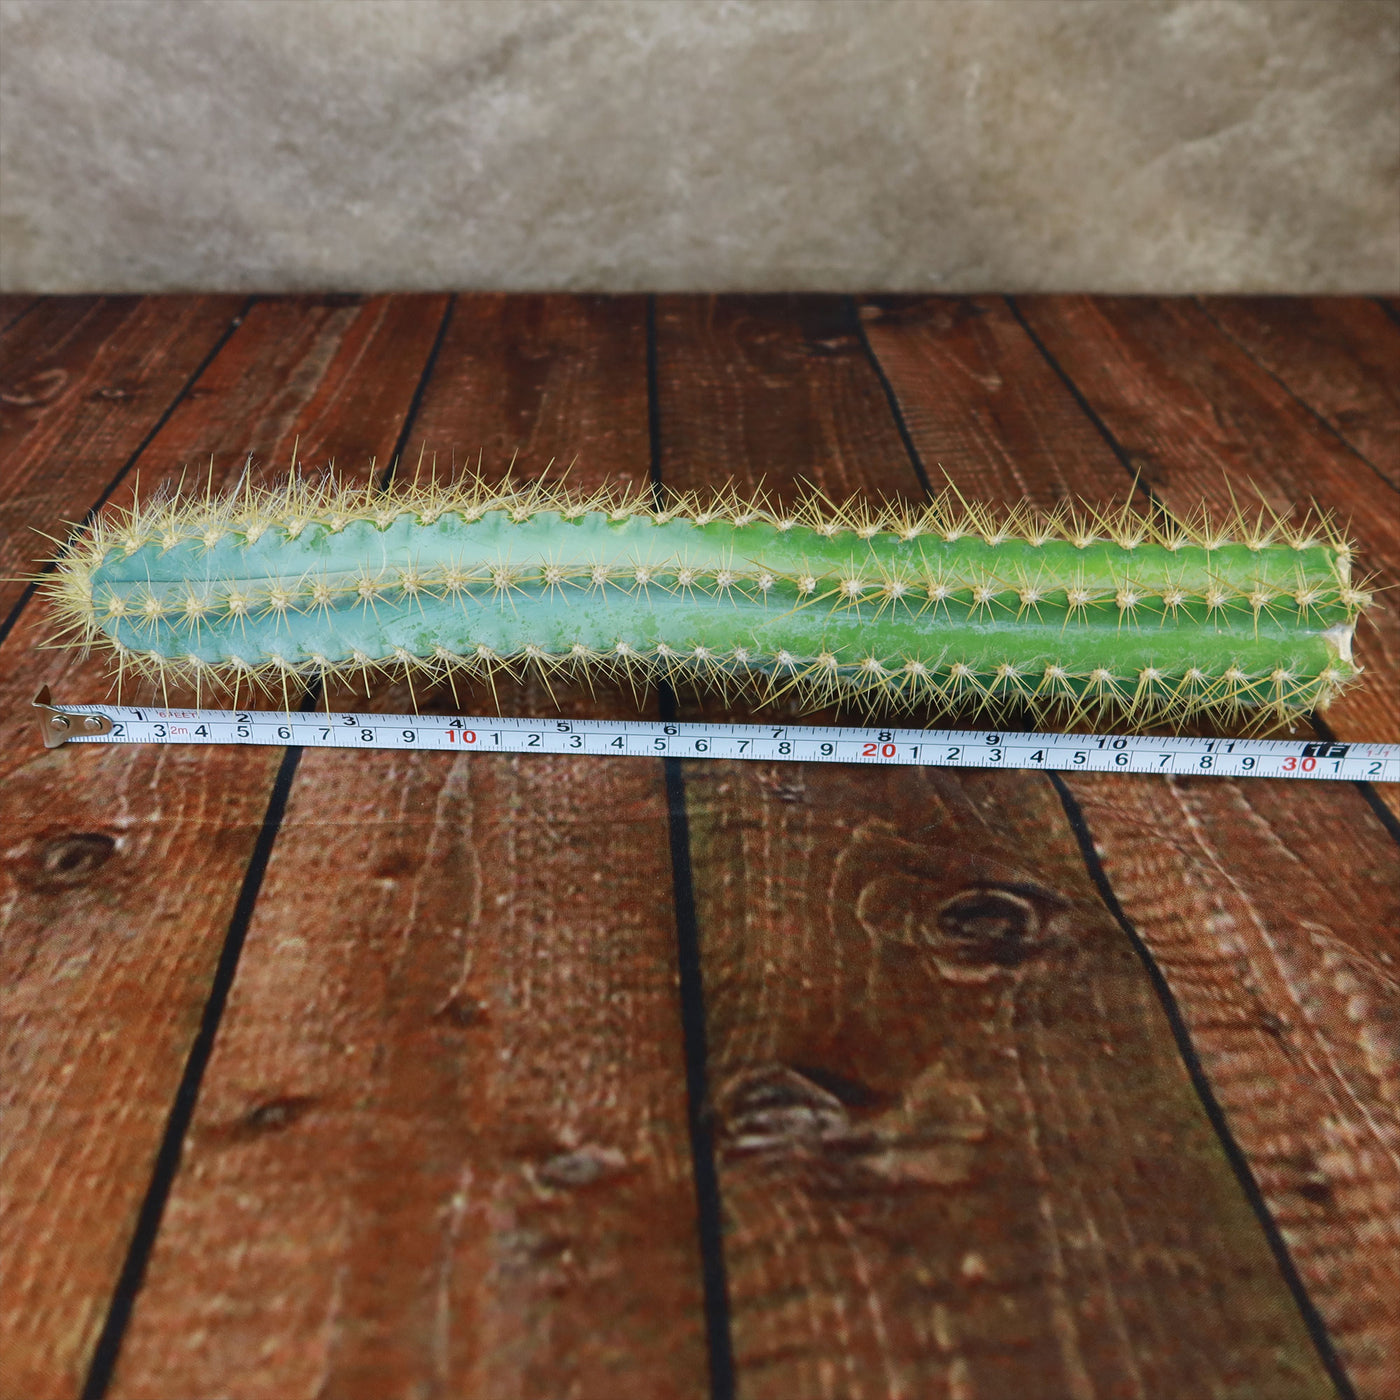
767, 743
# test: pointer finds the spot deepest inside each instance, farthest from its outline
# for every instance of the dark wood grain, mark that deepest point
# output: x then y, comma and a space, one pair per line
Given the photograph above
122, 865
82, 381
442, 1145
13, 305
1339, 355
1202, 420
959, 1154
1192, 863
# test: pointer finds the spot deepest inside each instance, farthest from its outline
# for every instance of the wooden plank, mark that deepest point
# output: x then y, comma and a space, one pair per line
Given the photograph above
1221, 879
983, 408
1294, 1000
82, 380
1339, 355
126, 862
1200, 419
331, 376
958, 1152
442, 1143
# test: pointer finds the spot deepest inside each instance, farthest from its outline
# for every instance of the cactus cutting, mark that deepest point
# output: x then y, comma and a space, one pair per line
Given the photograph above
1142, 618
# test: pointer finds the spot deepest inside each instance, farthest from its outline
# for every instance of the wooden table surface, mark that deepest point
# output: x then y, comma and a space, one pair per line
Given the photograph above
346, 1074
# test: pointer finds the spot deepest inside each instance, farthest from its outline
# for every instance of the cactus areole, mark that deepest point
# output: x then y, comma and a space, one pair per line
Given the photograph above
1138, 618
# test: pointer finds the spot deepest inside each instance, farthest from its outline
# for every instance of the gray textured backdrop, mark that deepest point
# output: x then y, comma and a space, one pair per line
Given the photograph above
624, 144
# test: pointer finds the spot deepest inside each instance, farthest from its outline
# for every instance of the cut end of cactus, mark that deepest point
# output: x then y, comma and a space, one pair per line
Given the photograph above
1339, 638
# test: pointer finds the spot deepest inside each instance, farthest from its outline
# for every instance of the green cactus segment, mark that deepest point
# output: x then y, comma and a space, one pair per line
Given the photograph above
593, 539
1151, 629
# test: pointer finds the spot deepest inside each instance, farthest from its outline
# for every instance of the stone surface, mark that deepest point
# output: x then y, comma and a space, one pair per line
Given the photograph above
624, 144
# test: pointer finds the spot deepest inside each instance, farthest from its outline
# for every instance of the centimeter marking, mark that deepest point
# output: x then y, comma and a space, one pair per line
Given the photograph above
936, 748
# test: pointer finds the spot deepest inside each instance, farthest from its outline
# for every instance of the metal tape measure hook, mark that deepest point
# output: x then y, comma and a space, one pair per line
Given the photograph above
58, 726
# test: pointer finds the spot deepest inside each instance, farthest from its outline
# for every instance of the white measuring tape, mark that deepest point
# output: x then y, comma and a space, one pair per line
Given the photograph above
769, 743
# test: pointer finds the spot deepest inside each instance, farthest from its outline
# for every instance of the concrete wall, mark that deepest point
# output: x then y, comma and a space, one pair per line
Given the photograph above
622, 144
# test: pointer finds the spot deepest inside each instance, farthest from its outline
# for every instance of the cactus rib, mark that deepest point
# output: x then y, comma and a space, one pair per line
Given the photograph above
1144, 618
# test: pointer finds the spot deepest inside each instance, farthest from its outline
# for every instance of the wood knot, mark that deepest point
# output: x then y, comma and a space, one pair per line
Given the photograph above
396, 865
463, 1012
581, 1167
66, 861
1310, 1180
1315, 1187
783, 783
275, 1115
776, 1107
832, 345
991, 924
968, 916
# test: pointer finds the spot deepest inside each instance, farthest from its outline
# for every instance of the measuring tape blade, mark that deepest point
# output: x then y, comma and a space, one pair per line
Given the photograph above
928, 748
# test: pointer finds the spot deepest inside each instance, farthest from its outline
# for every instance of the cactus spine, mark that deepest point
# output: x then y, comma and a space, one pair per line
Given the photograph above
1139, 617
